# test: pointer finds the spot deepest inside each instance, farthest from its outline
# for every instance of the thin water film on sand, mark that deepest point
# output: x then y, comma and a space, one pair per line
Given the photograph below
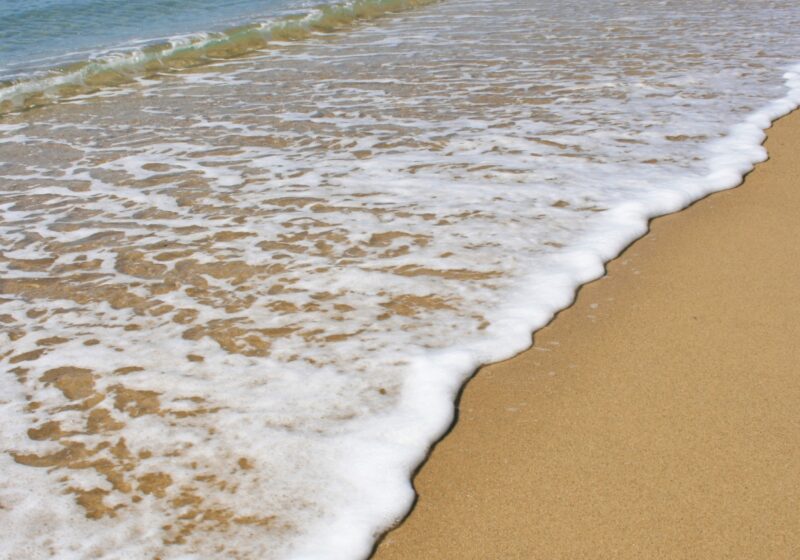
237, 300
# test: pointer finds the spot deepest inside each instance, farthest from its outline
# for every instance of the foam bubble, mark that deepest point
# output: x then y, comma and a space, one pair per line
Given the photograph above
239, 301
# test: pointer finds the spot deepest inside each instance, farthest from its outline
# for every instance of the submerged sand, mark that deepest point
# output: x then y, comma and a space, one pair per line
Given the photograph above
658, 417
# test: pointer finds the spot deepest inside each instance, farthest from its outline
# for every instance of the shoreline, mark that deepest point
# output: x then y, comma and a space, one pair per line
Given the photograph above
654, 417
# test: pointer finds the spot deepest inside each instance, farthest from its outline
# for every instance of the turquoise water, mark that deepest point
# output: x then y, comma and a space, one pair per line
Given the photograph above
243, 277
40, 34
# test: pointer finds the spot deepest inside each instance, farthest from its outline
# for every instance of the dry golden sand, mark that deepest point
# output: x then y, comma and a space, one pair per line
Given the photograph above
658, 417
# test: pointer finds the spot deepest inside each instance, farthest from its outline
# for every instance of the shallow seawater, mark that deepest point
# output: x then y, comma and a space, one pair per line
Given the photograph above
237, 300
39, 34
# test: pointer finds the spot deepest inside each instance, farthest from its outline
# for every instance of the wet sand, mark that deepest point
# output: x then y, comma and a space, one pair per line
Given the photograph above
658, 417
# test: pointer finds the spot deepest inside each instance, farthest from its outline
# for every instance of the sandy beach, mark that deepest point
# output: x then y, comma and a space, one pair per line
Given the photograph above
251, 253
655, 418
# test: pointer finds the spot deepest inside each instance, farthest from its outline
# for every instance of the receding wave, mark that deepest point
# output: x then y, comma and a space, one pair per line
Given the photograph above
237, 302
187, 52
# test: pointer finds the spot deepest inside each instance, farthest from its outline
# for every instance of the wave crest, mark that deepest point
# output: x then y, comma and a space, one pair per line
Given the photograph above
117, 69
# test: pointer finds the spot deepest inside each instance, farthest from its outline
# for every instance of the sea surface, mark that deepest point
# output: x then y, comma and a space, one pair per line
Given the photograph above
249, 255
41, 35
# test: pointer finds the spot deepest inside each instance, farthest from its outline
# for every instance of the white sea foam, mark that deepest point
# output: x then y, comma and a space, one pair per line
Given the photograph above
270, 279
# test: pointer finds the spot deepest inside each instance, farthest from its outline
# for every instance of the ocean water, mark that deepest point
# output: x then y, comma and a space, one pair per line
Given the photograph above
40, 35
241, 285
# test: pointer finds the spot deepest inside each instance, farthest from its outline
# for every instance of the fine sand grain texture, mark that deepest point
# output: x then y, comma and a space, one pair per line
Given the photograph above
658, 417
